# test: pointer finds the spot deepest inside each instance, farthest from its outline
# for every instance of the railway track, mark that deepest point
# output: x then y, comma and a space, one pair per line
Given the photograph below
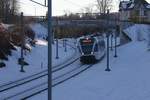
13, 84
28, 93
60, 75
27, 79
38, 75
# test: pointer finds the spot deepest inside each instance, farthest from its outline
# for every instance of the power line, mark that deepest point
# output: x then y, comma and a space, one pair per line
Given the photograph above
75, 4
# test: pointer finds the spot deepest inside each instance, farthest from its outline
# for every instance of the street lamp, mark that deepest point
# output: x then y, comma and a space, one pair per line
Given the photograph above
21, 59
107, 69
65, 44
115, 46
107, 35
117, 30
111, 47
57, 57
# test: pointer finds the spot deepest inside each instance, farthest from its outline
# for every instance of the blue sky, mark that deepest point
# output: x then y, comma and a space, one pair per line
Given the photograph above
58, 6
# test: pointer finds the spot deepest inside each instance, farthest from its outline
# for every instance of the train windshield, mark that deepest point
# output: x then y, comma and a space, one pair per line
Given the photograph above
87, 45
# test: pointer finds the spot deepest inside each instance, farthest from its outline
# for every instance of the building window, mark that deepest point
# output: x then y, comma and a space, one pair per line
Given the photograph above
136, 13
145, 13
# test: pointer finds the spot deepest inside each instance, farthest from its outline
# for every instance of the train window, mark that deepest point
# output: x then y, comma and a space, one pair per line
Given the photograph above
102, 44
96, 48
87, 49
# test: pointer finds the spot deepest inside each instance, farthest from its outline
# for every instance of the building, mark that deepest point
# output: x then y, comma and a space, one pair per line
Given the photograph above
135, 11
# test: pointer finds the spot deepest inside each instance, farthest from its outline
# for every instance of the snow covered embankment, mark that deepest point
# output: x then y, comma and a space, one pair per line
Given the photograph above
41, 32
37, 59
138, 32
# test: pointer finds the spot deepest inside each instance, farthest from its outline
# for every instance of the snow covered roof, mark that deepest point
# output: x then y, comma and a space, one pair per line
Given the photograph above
129, 5
148, 6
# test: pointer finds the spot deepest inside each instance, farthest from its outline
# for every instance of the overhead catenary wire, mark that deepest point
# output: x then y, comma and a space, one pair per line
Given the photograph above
73, 3
33, 2
24, 3
44, 5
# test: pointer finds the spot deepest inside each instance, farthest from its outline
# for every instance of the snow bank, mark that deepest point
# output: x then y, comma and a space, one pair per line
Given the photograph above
37, 60
6, 26
138, 32
41, 31
41, 42
148, 6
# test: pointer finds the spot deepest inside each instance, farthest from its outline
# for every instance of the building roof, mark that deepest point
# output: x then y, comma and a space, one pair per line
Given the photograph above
129, 5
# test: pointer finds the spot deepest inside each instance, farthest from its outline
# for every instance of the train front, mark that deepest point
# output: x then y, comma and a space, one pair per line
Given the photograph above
86, 48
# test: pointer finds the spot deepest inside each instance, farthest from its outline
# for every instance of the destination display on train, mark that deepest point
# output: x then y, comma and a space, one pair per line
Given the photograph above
87, 41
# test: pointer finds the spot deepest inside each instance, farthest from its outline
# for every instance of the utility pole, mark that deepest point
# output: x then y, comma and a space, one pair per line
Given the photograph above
49, 49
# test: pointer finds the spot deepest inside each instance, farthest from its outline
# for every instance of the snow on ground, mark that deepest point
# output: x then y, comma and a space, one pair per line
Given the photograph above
37, 60
128, 80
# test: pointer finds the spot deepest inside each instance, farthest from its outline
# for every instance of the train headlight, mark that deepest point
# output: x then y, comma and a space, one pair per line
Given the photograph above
92, 53
82, 53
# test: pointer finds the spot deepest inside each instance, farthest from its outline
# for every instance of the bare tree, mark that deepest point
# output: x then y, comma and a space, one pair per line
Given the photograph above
89, 8
87, 11
8, 8
14, 6
103, 5
2, 6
